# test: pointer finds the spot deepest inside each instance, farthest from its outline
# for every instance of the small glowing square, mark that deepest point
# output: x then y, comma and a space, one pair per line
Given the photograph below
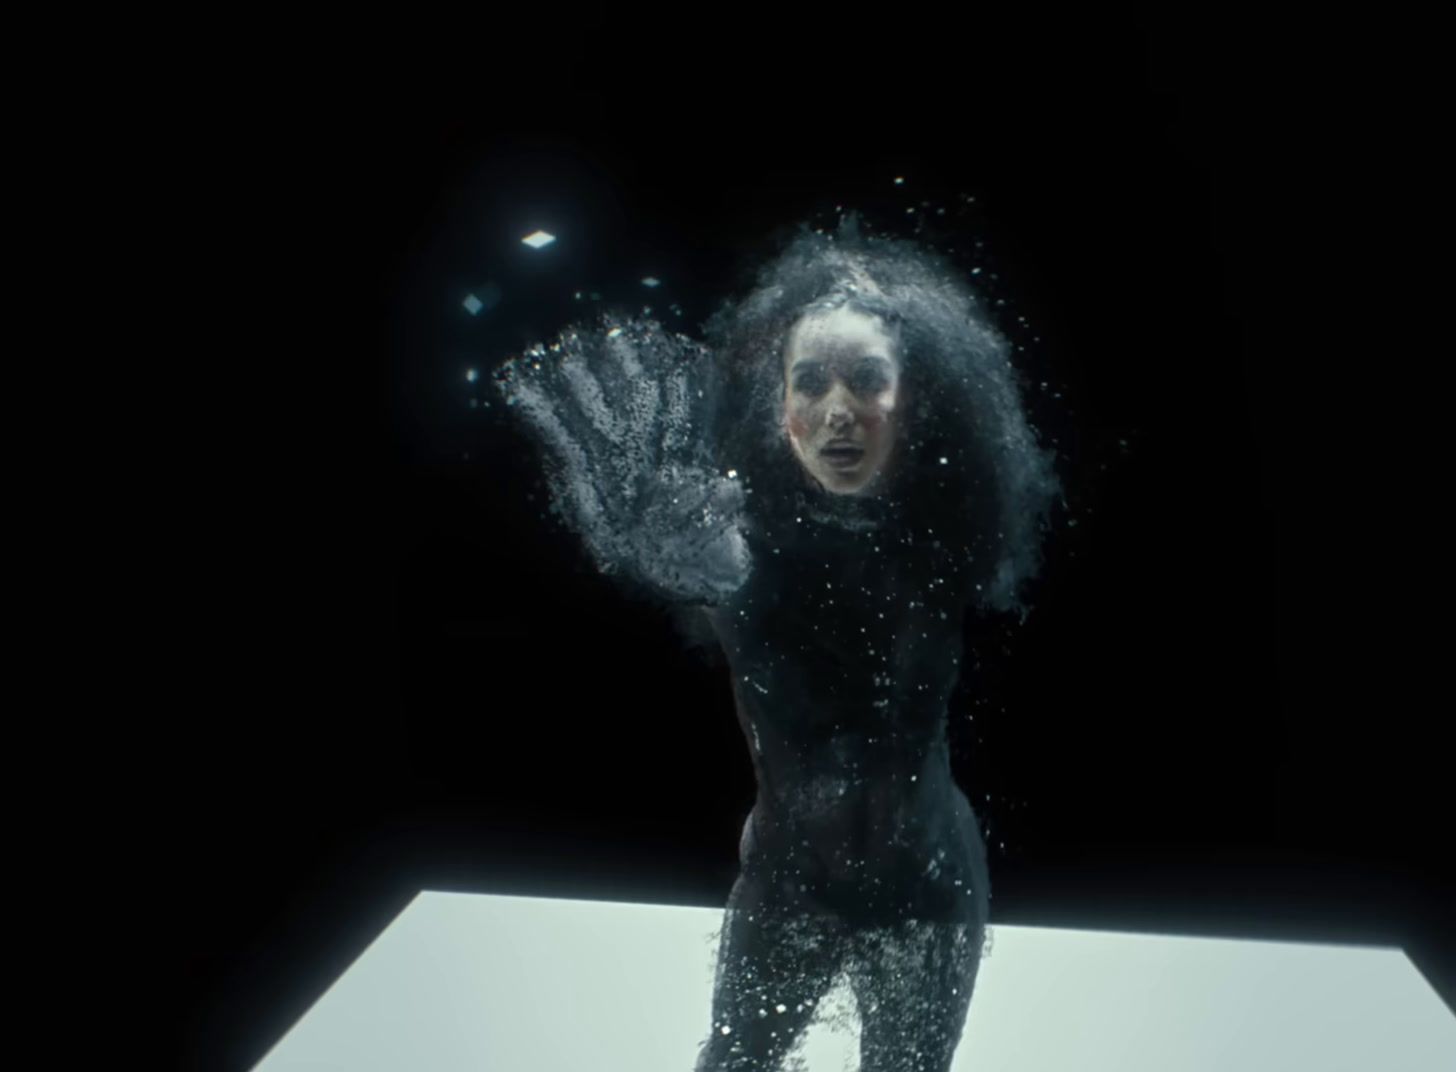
537, 239
473, 304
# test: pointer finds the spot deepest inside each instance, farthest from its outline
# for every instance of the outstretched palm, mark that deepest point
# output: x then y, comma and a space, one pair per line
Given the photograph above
628, 463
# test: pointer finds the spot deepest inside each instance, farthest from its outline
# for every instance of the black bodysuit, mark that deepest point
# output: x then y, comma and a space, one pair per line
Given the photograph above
860, 855
841, 618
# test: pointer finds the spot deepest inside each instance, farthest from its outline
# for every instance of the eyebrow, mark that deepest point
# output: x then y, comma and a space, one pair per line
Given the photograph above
863, 359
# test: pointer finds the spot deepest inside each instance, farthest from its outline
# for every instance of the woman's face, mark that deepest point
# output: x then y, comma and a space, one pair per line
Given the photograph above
841, 390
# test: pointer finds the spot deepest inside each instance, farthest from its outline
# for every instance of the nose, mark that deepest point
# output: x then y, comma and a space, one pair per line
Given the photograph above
837, 413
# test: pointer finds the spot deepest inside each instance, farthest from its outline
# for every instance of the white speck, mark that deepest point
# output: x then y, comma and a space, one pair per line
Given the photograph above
727, 1030
473, 304
614, 333
732, 474
651, 281
780, 1008
899, 180
943, 461
471, 375
538, 239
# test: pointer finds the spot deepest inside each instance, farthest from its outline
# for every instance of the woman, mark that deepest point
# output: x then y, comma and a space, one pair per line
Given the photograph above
831, 482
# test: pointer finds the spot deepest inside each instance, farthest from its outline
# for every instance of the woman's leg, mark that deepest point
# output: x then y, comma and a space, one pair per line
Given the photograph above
775, 964
913, 985
913, 979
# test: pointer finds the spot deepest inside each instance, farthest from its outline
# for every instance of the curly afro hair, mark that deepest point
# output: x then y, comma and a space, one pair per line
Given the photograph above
967, 462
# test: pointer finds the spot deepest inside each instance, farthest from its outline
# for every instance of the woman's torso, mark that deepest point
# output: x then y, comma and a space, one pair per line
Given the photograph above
844, 648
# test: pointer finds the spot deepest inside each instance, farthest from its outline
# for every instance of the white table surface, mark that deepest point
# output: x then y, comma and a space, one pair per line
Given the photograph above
520, 984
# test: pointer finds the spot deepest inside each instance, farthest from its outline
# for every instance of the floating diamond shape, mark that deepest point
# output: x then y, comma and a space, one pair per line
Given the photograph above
537, 239
473, 304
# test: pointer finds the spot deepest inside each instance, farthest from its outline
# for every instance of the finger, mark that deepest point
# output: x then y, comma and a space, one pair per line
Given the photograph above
586, 391
727, 498
637, 353
540, 411
573, 487
640, 392
711, 567
621, 349
589, 515
729, 556
677, 412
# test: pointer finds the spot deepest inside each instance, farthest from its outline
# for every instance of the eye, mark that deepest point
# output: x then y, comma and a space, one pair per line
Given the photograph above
811, 381
868, 380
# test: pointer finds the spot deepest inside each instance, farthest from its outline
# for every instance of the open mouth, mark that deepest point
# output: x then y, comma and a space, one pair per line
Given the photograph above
842, 455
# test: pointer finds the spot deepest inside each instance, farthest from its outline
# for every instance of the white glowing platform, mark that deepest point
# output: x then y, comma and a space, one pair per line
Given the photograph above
513, 984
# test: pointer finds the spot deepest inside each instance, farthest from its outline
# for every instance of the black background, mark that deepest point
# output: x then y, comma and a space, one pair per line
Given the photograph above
401, 676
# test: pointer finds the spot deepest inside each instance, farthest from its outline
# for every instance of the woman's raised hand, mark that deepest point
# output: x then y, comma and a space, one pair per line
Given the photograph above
630, 469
